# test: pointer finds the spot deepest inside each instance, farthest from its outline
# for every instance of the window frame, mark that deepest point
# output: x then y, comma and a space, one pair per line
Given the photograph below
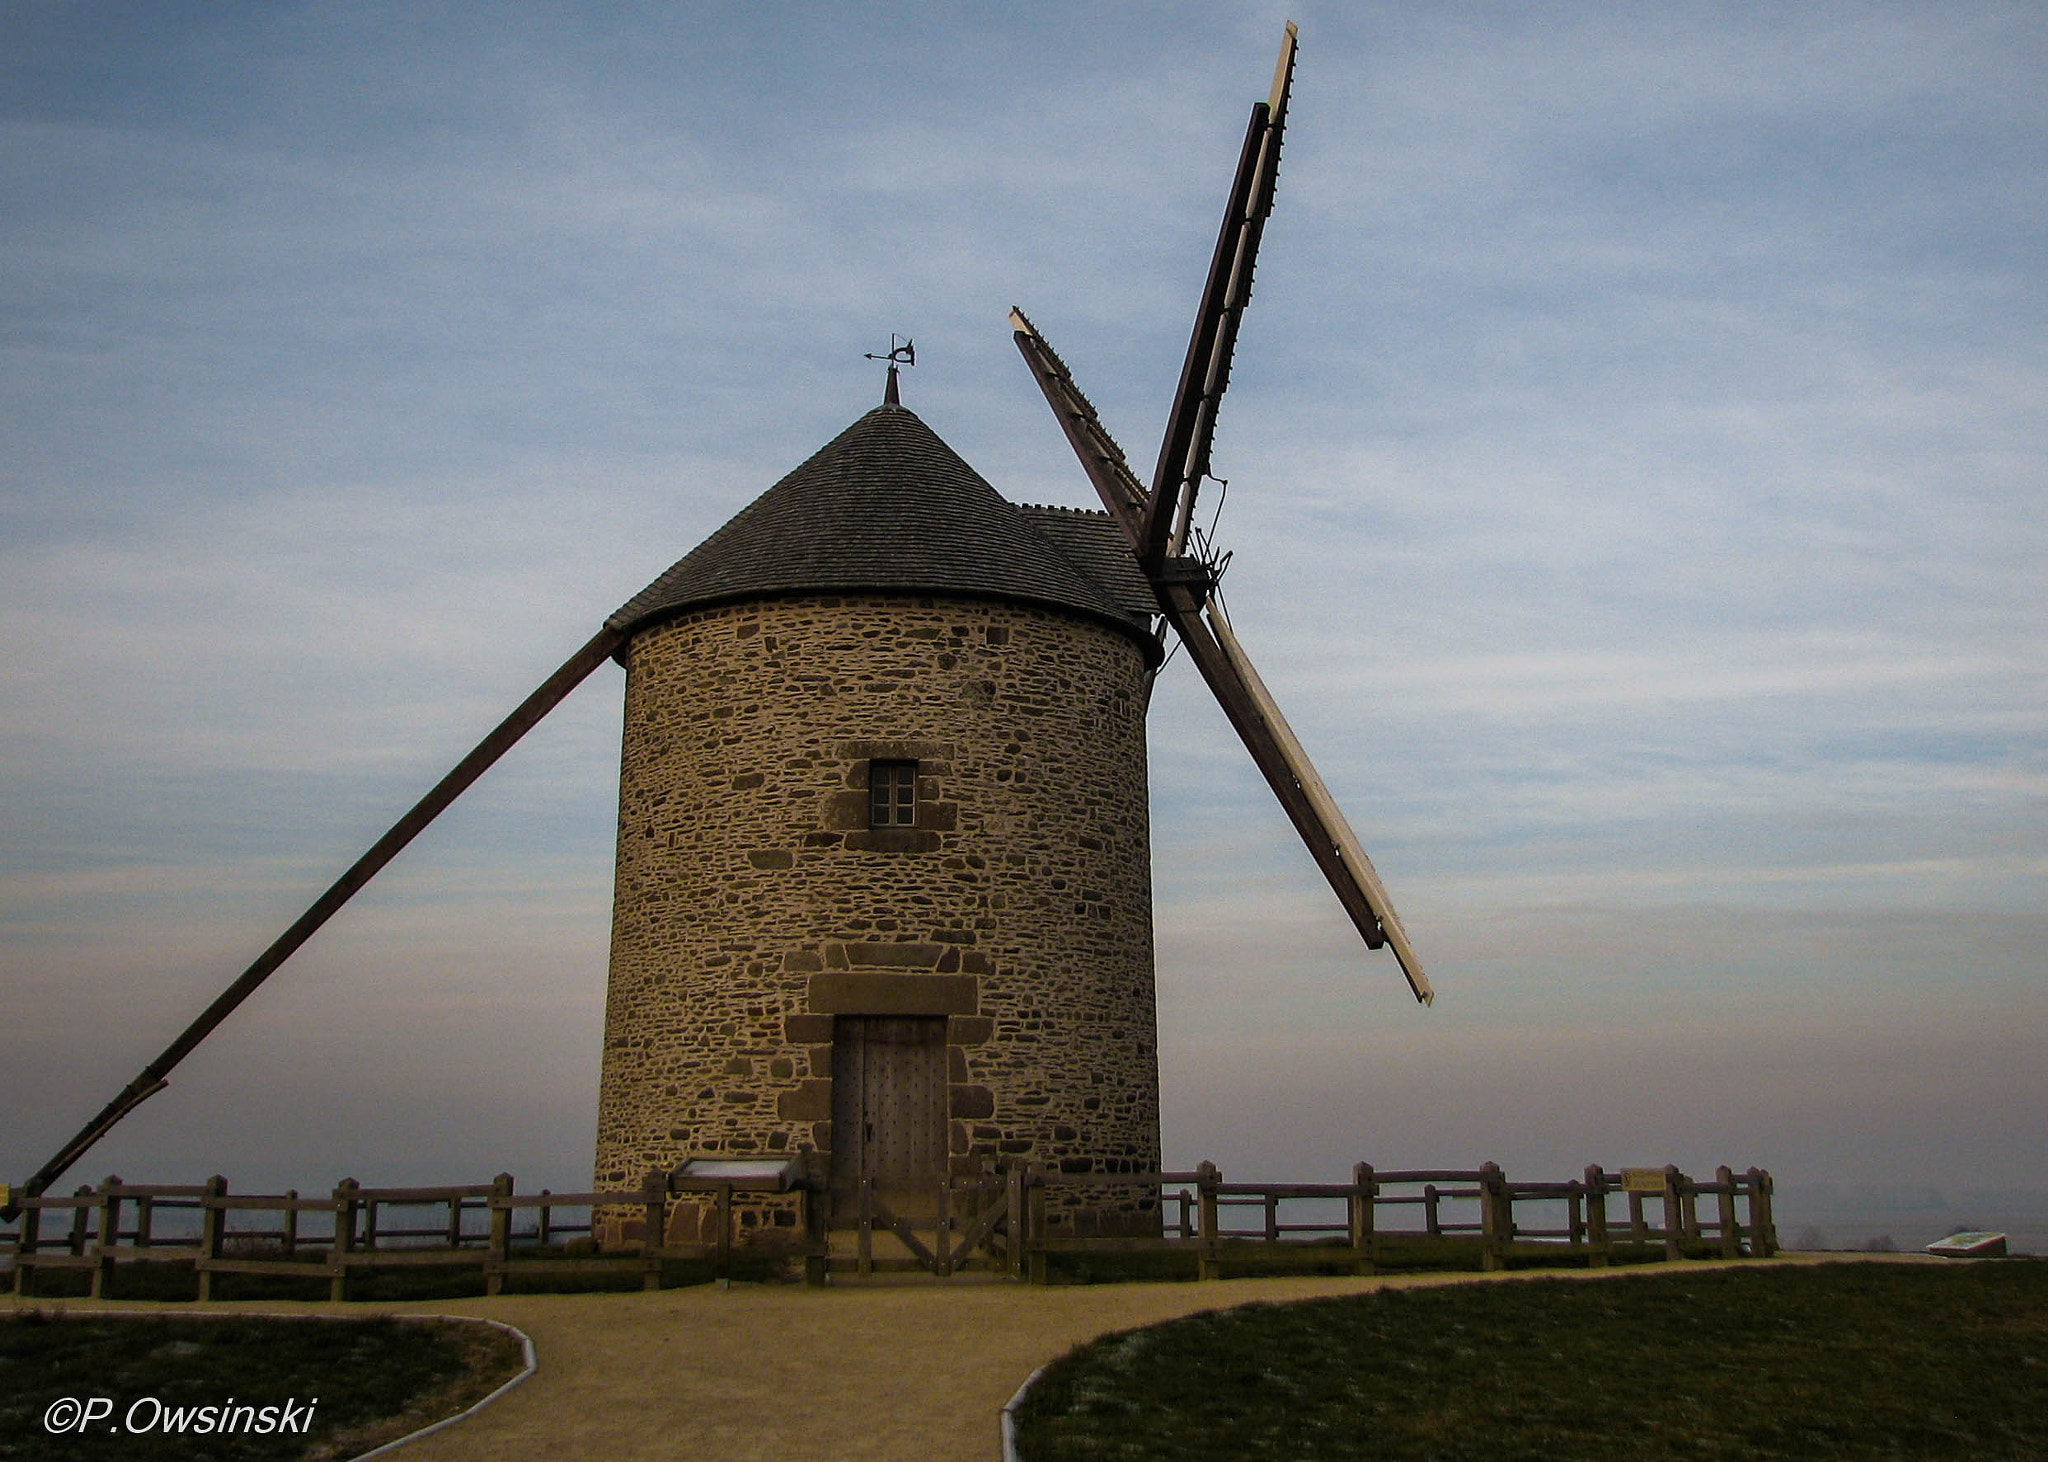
892, 794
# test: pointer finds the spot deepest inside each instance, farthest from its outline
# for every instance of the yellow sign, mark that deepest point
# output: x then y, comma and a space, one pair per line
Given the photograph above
1642, 1180
6, 1196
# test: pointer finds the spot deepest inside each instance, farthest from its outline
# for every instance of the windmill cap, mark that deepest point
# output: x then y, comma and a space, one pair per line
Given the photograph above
886, 506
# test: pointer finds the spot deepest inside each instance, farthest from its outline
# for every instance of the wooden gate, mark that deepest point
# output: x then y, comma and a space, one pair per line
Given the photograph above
974, 1213
888, 1110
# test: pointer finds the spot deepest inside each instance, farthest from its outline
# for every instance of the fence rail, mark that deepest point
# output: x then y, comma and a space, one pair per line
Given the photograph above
487, 1227
1016, 1221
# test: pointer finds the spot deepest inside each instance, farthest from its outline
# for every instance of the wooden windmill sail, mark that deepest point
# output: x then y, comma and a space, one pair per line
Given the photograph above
1157, 523
979, 990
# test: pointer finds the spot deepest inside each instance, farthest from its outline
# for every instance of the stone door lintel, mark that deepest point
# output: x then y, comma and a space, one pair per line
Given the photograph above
836, 993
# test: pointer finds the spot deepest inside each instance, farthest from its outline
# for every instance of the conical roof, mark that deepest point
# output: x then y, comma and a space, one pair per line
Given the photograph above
885, 505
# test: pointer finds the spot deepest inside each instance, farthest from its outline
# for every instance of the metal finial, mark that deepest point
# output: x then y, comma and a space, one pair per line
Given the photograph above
904, 354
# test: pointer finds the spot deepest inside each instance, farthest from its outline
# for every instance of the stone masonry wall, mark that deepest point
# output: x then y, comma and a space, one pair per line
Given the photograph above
753, 904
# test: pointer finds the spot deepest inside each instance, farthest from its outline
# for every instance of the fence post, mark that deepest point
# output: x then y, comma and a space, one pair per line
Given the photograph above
1494, 1226
501, 1234
654, 1227
725, 1222
345, 1205
1361, 1215
1601, 1248
1034, 1204
213, 1231
1210, 1264
1013, 1182
291, 1223
1432, 1222
817, 1240
81, 1216
1763, 1224
1674, 1213
25, 1243
107, 1236
145, 1220
1731, 1234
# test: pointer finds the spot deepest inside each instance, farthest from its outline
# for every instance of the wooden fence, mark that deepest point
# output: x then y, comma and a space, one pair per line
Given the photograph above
1021, 1222
488, 1227
1205, 1216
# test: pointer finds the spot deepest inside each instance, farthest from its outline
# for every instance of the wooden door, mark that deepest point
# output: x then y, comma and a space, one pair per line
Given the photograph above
889, 1109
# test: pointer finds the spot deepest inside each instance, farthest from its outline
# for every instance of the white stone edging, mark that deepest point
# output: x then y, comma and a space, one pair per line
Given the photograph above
1009, 1416
532, 1365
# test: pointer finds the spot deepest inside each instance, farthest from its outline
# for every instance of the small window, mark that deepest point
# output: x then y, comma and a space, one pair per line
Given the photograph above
892, 794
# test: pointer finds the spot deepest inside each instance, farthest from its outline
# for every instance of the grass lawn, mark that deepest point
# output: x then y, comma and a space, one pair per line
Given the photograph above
375, 1380
1827, 1360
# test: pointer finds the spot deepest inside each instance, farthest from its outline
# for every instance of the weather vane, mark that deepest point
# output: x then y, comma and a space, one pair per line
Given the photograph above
899, 355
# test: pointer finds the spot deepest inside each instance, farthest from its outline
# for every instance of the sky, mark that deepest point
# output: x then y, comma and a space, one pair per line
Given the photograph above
1635, 456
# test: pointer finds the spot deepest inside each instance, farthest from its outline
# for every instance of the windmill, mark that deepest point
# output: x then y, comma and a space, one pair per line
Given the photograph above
883, 898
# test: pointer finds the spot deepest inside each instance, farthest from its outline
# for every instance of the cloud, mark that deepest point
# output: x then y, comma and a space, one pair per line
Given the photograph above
1634, 454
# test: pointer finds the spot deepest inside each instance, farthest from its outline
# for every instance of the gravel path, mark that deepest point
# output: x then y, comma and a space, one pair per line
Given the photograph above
902, 1371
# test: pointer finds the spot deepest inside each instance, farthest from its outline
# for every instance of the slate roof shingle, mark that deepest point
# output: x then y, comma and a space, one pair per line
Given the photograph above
1096, 546
887, 505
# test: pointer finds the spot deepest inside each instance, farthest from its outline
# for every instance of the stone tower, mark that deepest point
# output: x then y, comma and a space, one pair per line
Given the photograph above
884, 890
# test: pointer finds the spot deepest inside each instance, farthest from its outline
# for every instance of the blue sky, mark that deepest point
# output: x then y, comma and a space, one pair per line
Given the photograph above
1636, 460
